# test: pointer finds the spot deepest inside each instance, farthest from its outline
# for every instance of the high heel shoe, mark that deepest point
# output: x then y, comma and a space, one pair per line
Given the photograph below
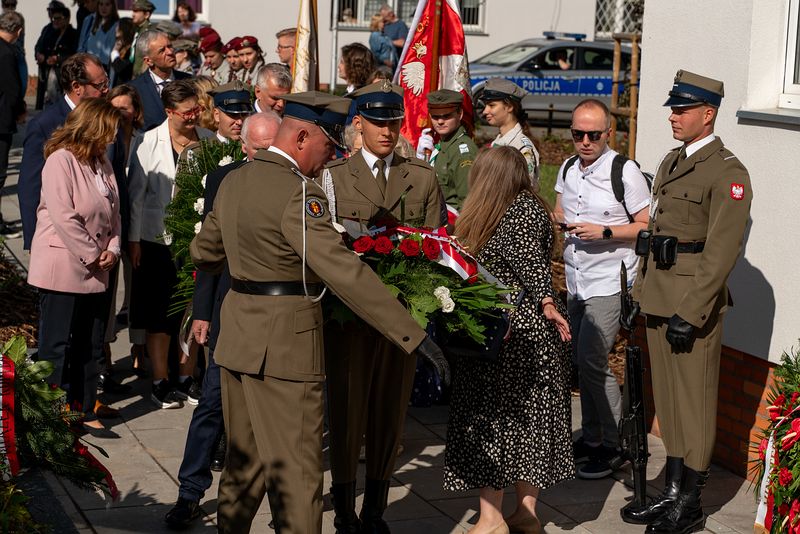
502, 528
528, 525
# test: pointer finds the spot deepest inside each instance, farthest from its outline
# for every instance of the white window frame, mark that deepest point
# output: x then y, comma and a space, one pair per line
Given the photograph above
790, 98
363, 22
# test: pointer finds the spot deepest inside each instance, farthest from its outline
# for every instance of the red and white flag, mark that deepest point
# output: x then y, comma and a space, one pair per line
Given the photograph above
434, 57
305, 66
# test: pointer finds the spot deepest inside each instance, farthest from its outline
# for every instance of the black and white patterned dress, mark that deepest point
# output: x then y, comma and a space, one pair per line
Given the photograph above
510, 419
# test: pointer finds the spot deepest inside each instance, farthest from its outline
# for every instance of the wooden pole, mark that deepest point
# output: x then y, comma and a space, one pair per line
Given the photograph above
615, 90
433, 84
634, 103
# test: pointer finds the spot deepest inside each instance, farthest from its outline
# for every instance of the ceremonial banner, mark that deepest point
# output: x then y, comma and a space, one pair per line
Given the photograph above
305, 66
434, 57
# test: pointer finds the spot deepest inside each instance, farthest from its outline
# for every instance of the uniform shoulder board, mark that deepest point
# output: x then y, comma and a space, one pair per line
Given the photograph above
419, 163
726, 154
336, 163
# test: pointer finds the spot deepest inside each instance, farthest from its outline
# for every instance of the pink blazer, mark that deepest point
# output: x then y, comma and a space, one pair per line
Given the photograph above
75, 222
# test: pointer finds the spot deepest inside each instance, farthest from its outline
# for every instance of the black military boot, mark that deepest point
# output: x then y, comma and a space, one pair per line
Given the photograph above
655, 508
686, 513
376, 495
344, 505
218, 455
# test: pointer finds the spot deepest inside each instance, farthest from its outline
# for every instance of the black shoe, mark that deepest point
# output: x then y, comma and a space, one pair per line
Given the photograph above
655, 508
194, 393
183, 514
376, 496
218, 457
101, 433
344, 505
164, 397
686, 513
602, 462
581, 451
122, 319
184, 391
107, 384
8, 231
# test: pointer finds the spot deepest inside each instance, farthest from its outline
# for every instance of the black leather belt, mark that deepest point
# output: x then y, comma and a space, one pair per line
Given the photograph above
275, 289
691, 247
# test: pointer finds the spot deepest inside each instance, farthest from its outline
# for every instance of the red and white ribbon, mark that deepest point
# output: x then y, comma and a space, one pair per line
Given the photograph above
451, 255
8, 438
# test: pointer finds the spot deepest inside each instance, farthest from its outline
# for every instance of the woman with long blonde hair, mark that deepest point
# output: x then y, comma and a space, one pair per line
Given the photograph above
204, 84
510, 420
76, 244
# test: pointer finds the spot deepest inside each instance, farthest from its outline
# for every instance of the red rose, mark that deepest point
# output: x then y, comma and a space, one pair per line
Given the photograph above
431, 248
409, 247
194, 275
785, 477
762, 449
783, 509
383, 245
794, 517
794, 397
363, 244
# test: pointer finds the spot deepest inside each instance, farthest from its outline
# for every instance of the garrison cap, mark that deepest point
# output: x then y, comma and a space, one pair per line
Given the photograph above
232, 98
143, 5
500, 89
326, 111
172, 29
690, 89
444, 98
183, 44
380, 101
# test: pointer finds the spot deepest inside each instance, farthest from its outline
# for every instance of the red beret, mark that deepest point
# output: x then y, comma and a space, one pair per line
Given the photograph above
248, 41
233, 44
210, 40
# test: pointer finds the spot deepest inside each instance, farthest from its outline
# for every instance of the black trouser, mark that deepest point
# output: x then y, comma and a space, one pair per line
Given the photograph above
66, 327
5, 149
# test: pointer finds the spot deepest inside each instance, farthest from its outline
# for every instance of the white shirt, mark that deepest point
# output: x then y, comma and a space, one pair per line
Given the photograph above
277, 150
372, 159
221, 138
159, 81
70, 103
697, 145
592, 267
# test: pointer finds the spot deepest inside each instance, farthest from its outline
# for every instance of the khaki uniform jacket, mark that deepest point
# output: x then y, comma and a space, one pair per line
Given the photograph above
705, 198
358, 197
221, 74
452, 165
257, 225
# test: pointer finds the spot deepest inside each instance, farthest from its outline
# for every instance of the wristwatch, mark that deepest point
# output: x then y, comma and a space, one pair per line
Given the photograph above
607, 233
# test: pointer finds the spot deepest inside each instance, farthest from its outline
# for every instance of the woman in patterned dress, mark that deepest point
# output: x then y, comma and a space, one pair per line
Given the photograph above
510, 421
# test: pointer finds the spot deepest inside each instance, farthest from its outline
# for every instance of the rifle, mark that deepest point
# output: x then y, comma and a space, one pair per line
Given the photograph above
632, 426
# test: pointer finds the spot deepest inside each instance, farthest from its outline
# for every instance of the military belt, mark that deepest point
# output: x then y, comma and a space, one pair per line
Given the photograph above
275, 289
691, 247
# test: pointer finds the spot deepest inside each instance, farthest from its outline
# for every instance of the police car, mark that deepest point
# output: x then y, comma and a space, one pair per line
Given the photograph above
558, 70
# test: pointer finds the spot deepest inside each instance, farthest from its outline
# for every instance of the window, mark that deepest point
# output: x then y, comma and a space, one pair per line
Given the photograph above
791, 79
165, 9
357, 13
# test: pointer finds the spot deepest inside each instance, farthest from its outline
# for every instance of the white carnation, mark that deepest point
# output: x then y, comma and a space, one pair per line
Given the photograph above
227, 160
199, 205
197, 227
167, 237
441, 293
203, 181
448, 305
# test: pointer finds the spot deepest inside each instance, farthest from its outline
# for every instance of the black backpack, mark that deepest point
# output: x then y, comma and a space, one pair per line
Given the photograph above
616, 178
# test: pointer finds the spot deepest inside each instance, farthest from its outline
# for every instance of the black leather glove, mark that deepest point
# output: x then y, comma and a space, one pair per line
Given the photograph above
628, 314
679, 334
434, 357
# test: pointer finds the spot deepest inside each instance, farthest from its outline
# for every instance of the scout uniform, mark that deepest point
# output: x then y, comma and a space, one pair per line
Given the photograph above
149, 7
272, 225
210, 40
185, 45
452, 157
501, 89
233, 46
701, 197
249, 75
369, 379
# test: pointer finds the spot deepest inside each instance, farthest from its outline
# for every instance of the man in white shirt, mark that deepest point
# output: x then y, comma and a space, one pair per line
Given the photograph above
600, 233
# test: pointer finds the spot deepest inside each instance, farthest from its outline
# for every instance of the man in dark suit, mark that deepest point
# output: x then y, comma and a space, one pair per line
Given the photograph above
12, 103
206, 426
156, 51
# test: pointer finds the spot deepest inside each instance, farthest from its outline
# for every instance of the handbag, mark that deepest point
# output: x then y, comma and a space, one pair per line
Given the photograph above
496, 330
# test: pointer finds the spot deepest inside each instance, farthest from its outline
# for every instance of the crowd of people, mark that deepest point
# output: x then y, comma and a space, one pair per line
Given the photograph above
126, 101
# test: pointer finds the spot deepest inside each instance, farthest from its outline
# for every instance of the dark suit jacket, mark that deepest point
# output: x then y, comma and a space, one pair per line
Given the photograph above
29, 188
12, 104
210, 289
154, 113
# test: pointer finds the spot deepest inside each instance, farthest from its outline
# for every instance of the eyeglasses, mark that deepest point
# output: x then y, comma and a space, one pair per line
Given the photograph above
100, 86
57, 19
594, 136
283, 47
186, 115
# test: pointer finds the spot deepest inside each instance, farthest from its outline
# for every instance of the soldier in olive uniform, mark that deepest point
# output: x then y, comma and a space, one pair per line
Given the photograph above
453, 155
701, 203
272, 225
369, 378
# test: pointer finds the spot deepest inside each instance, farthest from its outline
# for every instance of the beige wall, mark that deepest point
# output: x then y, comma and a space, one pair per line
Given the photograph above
742, 43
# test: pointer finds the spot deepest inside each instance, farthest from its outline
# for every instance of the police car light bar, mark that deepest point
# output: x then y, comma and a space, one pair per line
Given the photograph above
564, 35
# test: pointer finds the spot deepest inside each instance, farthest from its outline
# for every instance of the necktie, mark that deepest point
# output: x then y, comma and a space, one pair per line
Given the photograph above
681, 157
160, 86
380, 177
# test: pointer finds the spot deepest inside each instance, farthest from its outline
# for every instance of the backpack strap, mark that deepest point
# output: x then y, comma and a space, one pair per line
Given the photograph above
616, 182
570, 162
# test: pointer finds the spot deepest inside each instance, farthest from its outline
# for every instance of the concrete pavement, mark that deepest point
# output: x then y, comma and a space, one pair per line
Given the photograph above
145, 461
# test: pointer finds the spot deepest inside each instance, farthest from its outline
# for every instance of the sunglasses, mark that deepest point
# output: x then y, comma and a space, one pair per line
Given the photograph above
594, 136
186, 115
100, 86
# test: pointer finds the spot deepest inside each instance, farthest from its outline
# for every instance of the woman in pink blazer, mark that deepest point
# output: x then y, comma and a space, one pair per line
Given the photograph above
75, 245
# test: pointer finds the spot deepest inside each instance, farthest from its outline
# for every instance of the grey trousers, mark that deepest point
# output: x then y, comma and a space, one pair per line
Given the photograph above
595, 323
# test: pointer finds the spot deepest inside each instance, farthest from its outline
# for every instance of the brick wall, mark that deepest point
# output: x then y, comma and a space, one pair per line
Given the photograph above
744, 381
